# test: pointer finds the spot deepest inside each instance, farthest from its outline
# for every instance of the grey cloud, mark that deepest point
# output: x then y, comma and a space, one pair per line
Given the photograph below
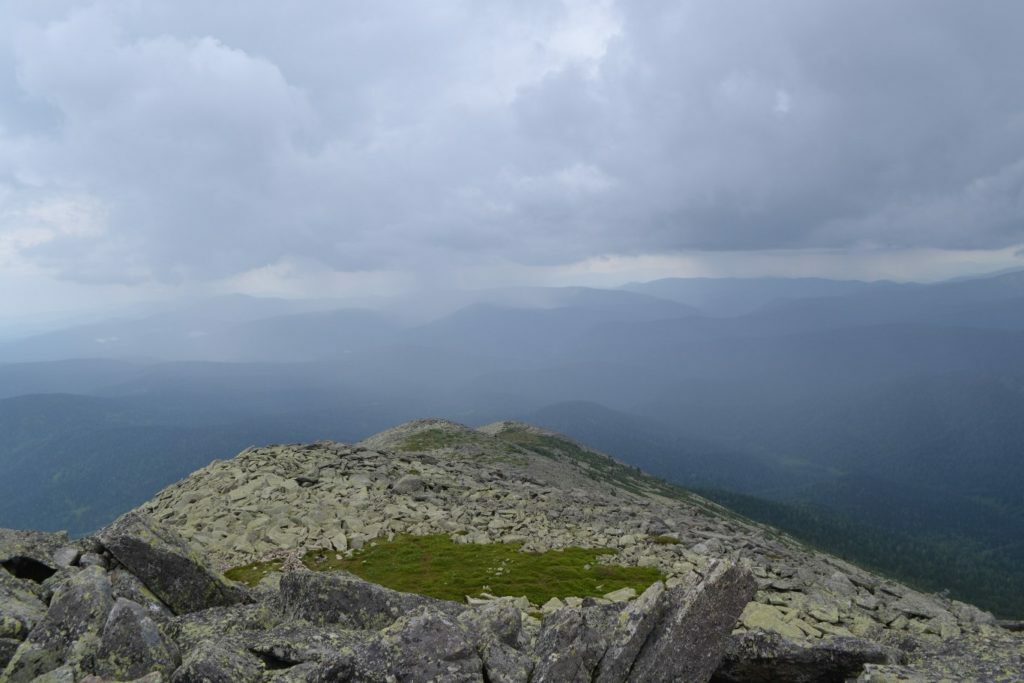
389, 135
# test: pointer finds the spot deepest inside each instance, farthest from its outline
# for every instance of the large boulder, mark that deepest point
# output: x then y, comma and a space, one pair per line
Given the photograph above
30, 554
20, 607
633, 627
69, 632
570, 645
426, 645
132, 645
166, 564
345, 599
689, 642
218, 662
764, 656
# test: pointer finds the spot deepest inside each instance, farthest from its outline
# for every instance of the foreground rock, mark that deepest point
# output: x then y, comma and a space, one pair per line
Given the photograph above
166, 564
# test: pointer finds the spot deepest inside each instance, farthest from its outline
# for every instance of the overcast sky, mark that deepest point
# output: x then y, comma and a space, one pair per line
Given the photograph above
152, 147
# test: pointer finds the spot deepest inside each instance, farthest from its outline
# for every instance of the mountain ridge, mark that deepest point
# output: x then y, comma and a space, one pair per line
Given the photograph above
270, 514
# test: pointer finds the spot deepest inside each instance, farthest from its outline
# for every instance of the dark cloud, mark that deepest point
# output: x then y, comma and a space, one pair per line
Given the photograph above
197, 140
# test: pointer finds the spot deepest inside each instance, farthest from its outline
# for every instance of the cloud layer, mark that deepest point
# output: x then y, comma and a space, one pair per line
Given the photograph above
174, 141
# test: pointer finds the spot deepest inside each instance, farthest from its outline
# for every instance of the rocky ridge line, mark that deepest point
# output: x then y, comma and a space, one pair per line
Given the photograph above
813, 617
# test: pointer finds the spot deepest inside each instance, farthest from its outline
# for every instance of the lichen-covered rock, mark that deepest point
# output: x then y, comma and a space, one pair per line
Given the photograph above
632, 628
20, 607
568, 647
68, 632
190, 630
132, 645
218, 662
166, 564
689, 642
7, 648
29, 554
499, 620
126, 585
427, 645
505, 664
342, 598
299, 642
763, 657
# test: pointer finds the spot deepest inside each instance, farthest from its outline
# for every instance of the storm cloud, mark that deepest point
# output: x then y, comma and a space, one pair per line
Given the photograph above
168, 141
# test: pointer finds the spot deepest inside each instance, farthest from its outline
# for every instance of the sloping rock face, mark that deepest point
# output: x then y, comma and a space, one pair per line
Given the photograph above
739, 602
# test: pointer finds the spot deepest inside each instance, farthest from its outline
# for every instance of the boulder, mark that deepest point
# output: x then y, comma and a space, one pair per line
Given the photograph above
298, 642
190, 630
410, 483
568, 648
20, 607
427, 645
764, 657
218, 662
69, 630
132, 645
7, 648
689, 642
345, 599
29, 554
633, 626
166, 564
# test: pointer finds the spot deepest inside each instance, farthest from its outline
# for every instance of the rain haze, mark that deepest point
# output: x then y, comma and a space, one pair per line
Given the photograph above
769, 251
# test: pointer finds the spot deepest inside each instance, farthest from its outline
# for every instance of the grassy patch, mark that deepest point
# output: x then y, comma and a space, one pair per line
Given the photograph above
251, 574
429, 439
438, 567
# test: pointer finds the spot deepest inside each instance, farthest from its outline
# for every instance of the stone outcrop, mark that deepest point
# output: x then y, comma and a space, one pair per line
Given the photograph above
166, 564
145, 599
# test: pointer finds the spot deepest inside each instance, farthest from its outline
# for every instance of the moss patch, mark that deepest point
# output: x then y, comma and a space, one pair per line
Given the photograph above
440, 568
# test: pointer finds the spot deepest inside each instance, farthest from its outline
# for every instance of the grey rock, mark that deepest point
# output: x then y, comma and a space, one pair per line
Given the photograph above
20, 607
633, 626
410, 483
190, 630
93, 560
496, 621
567, 648
7, 648
64, 674
78, 610
765, 657
689, 642
29, 554
298, 642
66, 556
342, 598
505, 664
132, 645
166, 564
427, 645
127, 585
218, 662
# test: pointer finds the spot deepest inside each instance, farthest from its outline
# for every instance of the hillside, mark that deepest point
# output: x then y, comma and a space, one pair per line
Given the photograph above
510, 522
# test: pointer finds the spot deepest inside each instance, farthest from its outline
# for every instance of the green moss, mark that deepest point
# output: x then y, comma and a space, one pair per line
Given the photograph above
252, 574
438, 567
430, 439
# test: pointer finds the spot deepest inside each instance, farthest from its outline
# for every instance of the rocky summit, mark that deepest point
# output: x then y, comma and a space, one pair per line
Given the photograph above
436, 552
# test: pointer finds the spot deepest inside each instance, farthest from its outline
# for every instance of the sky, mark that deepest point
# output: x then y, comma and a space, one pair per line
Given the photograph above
158, 148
